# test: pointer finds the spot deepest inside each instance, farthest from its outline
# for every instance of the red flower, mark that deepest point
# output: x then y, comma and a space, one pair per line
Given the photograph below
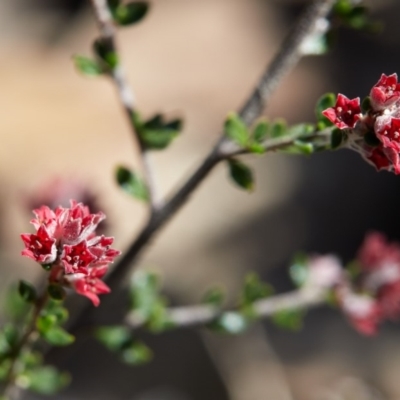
376, 251
67, 241
90, 285
40, 247
385, 92
362, 311
77, 223
76, 258
389, 134
345, 113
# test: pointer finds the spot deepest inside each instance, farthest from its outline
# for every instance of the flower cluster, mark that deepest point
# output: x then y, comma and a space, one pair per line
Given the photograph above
66, 244
368, 292
372, 295
375, 134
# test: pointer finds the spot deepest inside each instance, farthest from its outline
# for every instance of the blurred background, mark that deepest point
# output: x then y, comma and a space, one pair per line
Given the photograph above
63, 136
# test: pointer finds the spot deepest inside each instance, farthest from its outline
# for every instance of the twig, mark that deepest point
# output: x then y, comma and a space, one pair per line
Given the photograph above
281, 65
189, 316
26, 340
108, 33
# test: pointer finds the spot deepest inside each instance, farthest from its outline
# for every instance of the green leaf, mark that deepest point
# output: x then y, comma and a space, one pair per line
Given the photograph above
45, 322
230, 322
260, 131
278, 128
336, 138
236, 130
87, 66
214, 296
366, 104
105, 52
144, 292
57, 336
55, 309
254, 289
298, 271
113, 337
289, 319
44, 380
15, 307
132, 184
158, 139
371, 139
130, 13
113, 4
56, 292
137, 353
11, 334
27, 291
241, 174
328, 100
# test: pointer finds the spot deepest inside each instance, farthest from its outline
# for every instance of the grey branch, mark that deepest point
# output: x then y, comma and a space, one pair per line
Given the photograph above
107, 30
286, 59
203, 314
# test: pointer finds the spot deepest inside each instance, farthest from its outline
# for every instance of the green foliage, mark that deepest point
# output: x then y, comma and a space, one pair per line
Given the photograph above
337, 138
15, 307
57, 336
137, 353
241, 174
147, 302
156, 133
119, 339
254, 289
328, 100
113, 337
289, 319
56, 292
260, 131
298, 271
355, 16
27, 291
278, 128
366, 104
214, 296
236, 130
132, 184
48, 324
371, 139
231, 322
106, 54
44, 380
87, 66
130, 13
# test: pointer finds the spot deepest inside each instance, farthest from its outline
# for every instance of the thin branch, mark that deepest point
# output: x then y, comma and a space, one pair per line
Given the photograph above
199, 315
286, 59
281, 64
27, 339
107, 30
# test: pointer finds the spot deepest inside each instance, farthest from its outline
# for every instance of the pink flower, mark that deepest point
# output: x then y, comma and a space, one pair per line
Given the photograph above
76, 258
40, 247
345, 113
324, 271
90, 285
376, 251
76, 223
66, 241
385, 92
389, 134
362, 311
